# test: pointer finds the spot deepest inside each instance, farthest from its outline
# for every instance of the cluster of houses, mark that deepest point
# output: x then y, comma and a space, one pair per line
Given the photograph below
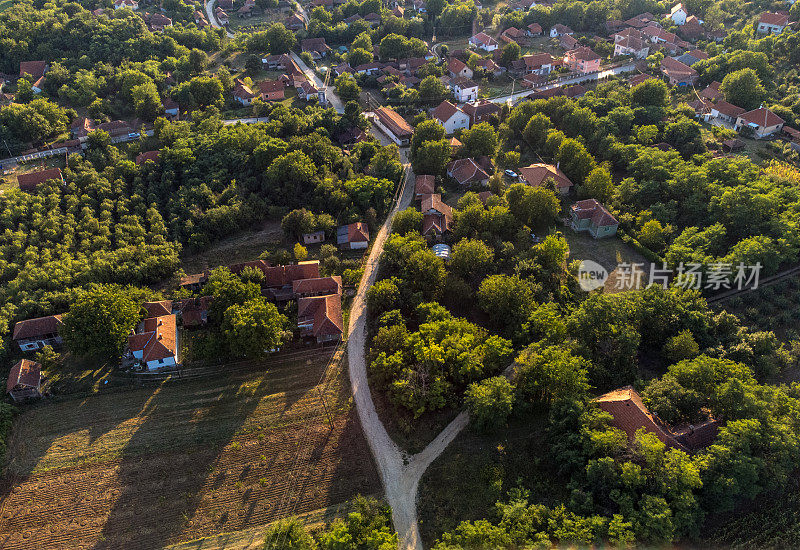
274, 90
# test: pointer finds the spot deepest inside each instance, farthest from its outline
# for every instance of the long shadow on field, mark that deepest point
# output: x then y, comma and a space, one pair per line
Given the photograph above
160, 492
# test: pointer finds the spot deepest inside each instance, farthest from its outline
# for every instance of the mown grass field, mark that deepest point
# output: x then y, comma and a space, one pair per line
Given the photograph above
159, 465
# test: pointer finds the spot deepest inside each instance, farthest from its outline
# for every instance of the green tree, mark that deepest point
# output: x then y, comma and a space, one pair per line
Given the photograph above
490, 402
383, 296
347, 88
535, 131
548, 374
253, 328
598, 185
288, 534
650, 93
743, 88
300, 252
680, 347
533, 206
511, 52
406, 221
432, 157
471, 259
99, 320
146, 101
575, 161
480, 140
508, 300
432, 89
652, 235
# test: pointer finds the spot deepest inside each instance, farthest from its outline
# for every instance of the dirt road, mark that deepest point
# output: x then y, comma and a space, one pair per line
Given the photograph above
400, 473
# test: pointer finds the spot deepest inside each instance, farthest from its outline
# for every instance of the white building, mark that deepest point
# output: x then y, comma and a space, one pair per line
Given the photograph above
678, 14
464, 89
451, 117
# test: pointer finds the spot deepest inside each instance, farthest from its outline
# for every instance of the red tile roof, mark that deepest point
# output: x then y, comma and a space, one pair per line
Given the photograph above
156, 309
141, 158
325, 313
29, 181
466, 170
537, 174
455, 65
158, 340
777, 19
444, 111
319, 285
762, 117
40, 326
357, 232
591, 208
394, 122
24, 373
424, 185
630, 414
728, 109
34, 68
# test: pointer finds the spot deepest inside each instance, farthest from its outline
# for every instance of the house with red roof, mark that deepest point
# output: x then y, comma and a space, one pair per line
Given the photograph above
193, 312
318, 286
484, 42
34, 334
772, 23
589, 215
582, 60
677, 73
450, 117
35, 71
534, 29
243, 94
631, 43
424, 184
24, 381
146, 156
354, 236
393, 125
271, 90
559, 30
726, 111
762, 122
155, 346
30, 181
512, 34
437, 217
456, 68
320, 317
467, 171
537, 174
481, 111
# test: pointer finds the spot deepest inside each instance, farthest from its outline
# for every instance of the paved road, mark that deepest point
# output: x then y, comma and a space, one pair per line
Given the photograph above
212, 19
574, 80
333, 99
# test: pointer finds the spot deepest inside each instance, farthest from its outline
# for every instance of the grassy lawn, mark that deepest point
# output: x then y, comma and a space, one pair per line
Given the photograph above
243, 247
175, 462
264, 19
608, 252
477, 470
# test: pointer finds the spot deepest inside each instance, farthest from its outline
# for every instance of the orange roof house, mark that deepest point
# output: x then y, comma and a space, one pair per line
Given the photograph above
29, 182
24, 380
424, 185
34, 334
395, 126
320, 317
762, 122
467, 171
320, 286
537, 174
151, 156
589, 215
353, 236
156, 346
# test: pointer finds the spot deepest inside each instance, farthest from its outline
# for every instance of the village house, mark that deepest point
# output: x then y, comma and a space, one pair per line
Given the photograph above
538, 63
156, 22
692, 56
295, 23
24, 381
200, 19
559, 30
464, 89
642, 20
772, 23
271, 90
534, 29
512, 34
172, 109
677, 73
243, 94
630, 415
315, 237
726, 112
712, 92
193, 312
484, 42
538, 174
589, 215
437, 217
631, 45
457, 68
34, 71
315, 46
393, 125
450, 117
482, 110
424, 184
130, 4
319, 286
583, 60
320, 317
34, 334
155, 346
278, 280
354, 236
222, 16
30, 181
678, 14
762, 122
467, 171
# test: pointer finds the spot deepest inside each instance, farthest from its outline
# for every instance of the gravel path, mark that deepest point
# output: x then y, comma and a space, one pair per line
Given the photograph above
399, 472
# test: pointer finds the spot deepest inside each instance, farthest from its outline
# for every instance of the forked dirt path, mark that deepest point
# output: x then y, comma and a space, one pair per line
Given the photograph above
400, 472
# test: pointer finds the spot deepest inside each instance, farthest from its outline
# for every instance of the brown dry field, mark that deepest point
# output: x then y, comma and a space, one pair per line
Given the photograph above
148, 467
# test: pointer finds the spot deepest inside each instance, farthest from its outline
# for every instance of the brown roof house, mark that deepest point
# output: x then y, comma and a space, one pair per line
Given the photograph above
589, 215
320, 286
155, 346
393, 125
30, 181
481, 111
424, 185
193, 312
631, 415
271, 90
354, 236
678, 74
484, 42
762, 122
456, 67
24, 380
315, 46
320, 317
243, 94
147, 156
437, 217
537, 174
772, 23
35, 70
467, 171
34, 334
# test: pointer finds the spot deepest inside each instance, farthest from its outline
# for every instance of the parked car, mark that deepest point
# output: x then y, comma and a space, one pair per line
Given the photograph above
511, 174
